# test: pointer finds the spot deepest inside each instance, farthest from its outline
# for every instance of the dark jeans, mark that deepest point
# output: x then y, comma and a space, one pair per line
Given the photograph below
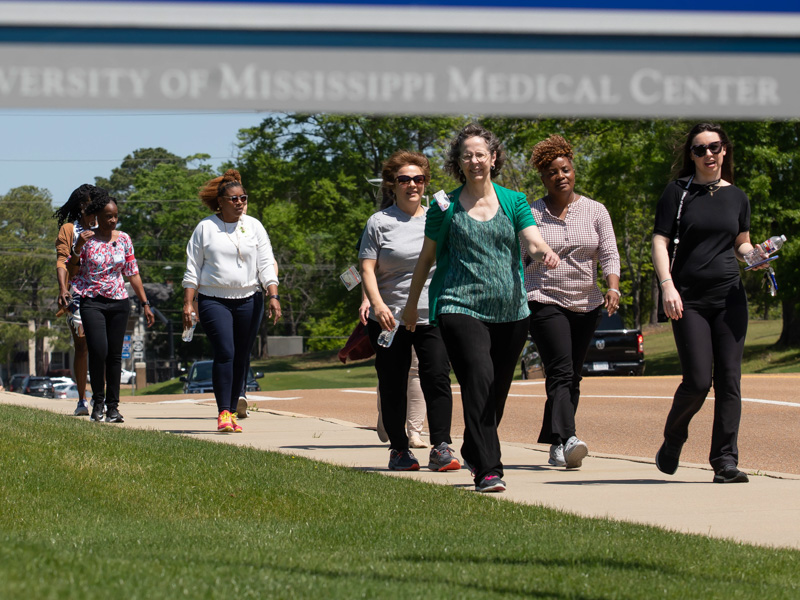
231, 325
104, 324
710, 341
484, 357
393, 364
562, 338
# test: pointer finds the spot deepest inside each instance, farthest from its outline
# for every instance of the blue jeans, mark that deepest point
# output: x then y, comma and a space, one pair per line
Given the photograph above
231, 325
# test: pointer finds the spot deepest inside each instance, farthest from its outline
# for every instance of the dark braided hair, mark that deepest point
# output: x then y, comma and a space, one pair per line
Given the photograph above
99, 200
71, 210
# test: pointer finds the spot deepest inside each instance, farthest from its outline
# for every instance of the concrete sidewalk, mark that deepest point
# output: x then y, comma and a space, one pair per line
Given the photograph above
765, 511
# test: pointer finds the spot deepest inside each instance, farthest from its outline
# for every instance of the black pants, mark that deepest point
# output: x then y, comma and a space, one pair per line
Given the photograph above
231, 325
104, 323
562, 338
393, 364
484, 357
710, 341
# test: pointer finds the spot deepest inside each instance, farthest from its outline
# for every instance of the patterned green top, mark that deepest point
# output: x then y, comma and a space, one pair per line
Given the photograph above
483, 280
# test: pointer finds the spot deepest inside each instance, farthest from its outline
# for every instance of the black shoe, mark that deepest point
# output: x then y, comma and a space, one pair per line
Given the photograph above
113, 416
668, 457
97, 411
730, 474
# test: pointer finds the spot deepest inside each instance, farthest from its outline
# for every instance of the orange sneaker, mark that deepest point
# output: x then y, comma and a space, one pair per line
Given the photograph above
224, 422
236, 427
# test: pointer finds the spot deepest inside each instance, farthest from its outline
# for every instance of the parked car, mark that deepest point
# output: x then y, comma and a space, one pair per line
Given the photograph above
69, 390
38, 386
15, 382
61, 380
614, 350
199, 379
126, 377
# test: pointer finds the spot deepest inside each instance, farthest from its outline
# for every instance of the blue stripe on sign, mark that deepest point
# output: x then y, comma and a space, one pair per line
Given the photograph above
731, 6
438, 41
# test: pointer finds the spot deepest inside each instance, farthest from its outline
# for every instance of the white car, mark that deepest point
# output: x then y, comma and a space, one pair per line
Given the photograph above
60, 380
126, 377
69, 390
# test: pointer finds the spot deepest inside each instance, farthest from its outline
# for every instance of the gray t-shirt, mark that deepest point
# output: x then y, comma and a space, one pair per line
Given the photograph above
394, 240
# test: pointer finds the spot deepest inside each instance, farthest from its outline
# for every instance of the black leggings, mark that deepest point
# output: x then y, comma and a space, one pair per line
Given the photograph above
104, 323
562, 338
484, 357
710, 341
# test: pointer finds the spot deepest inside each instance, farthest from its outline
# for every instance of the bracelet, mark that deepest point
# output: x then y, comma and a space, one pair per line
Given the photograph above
275, 296
660, 283
146, 303
617, 292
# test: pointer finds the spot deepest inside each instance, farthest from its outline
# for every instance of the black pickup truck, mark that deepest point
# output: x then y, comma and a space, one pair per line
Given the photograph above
613, 350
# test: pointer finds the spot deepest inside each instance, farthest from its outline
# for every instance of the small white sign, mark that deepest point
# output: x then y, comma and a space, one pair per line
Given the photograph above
138, 346
137, 338
137, 355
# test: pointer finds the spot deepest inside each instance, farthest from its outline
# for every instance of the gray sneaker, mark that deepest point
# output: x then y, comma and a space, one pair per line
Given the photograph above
574, 452
82, 410
402, 460
557, 456
442, 459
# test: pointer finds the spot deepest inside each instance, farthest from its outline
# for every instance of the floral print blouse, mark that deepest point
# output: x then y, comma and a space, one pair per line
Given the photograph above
103, 264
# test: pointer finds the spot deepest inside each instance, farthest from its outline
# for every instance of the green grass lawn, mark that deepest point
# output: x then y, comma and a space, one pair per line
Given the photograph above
90, 511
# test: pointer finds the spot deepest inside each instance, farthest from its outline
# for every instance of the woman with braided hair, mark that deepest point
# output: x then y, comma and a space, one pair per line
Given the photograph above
229, 261
72, 220
565, 302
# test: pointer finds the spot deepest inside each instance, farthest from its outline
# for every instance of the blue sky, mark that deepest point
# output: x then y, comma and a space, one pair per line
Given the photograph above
59, 150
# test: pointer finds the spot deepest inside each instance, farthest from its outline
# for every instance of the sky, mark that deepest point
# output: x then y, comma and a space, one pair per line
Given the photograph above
60, 150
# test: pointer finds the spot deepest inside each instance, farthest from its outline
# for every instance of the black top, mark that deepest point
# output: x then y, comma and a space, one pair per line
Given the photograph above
706, 270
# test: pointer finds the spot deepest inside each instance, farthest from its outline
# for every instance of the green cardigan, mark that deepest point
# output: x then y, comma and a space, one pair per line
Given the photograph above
437, 227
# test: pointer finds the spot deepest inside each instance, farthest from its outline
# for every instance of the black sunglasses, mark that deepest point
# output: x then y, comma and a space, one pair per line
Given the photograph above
243, 198
406, 179
699, 150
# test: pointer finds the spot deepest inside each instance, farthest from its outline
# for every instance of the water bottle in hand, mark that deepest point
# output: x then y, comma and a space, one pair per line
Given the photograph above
761, 251
386, 337
188, 332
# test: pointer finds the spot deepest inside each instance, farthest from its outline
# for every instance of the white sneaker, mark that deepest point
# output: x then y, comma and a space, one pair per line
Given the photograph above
557, 455
574, 452
414, 441
241, 408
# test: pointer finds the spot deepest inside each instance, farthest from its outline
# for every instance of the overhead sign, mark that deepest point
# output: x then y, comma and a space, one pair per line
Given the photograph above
518, 57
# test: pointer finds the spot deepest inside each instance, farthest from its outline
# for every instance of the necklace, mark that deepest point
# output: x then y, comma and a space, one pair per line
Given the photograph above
236, 242
712, 186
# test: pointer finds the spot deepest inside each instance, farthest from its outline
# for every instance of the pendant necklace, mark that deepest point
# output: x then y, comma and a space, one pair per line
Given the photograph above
712, 186
235, 243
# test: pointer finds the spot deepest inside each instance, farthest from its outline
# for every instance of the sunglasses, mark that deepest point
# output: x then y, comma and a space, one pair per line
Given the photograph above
242, 198
406, 179
699, 150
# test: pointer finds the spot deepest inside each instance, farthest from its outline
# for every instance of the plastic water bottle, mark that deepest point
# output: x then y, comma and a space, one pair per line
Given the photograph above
188, 332
386, 337
762, 251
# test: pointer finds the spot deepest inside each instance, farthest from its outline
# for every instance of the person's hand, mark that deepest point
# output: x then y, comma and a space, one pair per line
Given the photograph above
611, 302
82, 239
188, 309
363, 311
64, 298
410, 315
384, 316
274, 310
149, 316
551, 260
671, 299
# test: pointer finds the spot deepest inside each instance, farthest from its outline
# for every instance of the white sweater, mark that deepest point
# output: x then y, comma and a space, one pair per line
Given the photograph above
214, 265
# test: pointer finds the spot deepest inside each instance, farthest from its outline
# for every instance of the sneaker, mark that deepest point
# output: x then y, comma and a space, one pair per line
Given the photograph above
414, 441
82, 410
113, 416
731, 474
668, 457
490, 483
574, 452
382, 435
97, 411
224, 423
402, 460
235, 423
557, 456
442, 459
241, 408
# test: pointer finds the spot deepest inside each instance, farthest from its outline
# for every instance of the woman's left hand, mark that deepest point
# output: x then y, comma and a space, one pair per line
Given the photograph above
149, 316
612, 302
551, 260
274, 310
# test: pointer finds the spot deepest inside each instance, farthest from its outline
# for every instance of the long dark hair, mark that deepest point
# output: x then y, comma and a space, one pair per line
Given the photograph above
71, 210
99, 201
688, 168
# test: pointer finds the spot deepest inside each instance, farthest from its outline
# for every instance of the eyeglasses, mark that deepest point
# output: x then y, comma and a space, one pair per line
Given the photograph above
479, 156
406, 179
242, 198
699, 150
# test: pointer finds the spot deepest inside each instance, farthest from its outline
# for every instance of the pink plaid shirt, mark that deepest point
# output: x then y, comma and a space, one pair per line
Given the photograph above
582, 239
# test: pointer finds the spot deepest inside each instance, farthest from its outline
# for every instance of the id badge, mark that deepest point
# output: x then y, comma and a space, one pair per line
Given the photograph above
350, 278
442, 200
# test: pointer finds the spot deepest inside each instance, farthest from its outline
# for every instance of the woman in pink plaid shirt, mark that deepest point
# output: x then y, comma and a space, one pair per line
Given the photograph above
565, 302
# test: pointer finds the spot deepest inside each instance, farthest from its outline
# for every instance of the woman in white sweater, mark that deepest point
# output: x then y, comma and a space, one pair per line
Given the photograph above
229, 261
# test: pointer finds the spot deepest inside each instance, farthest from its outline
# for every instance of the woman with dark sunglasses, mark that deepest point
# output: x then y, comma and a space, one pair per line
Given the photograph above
389, 249
702, 227
229, 261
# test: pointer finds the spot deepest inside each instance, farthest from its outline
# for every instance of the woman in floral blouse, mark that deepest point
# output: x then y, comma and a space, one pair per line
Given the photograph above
106, 256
